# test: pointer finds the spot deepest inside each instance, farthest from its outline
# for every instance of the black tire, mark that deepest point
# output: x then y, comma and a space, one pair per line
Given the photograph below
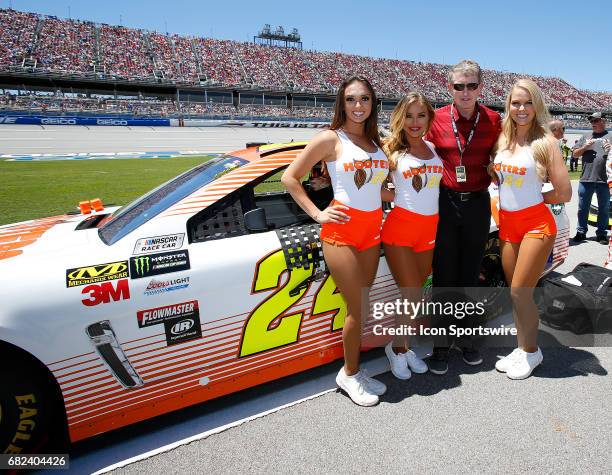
492, 277
26, 410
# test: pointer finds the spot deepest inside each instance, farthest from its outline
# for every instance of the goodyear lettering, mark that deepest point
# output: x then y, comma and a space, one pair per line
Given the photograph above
105, 292
96, 273
26, 424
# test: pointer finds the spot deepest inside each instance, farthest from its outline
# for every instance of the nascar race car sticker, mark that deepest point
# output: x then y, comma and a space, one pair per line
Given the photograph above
155, 316
185, 327
96, 273
155, 287
106, 292
161, 263
159, 243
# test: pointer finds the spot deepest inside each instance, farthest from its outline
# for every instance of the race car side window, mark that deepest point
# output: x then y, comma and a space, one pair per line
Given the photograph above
225, 218
221, 220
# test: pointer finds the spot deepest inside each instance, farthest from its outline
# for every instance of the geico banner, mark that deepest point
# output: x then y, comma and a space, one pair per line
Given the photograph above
54, 120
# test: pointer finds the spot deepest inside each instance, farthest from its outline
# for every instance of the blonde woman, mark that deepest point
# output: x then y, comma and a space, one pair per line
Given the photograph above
527, 153
409, 232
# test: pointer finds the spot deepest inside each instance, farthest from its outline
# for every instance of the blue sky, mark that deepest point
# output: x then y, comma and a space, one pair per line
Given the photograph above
568, 39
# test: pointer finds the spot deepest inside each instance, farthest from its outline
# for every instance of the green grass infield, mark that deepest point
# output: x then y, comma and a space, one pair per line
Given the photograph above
32, 190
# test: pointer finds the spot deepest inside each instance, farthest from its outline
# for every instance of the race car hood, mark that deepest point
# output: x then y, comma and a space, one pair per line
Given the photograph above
45, 236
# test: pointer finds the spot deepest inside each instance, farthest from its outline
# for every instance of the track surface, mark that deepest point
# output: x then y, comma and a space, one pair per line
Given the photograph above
57, 139
472, 419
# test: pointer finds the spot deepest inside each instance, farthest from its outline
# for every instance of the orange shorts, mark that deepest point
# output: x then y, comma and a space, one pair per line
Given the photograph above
405, 228
533, 222
362, 231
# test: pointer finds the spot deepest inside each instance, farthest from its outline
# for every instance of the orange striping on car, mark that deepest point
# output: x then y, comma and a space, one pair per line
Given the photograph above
22, 235
250, 364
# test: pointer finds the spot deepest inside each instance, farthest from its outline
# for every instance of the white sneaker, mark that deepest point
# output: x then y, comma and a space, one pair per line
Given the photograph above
398, 363
504, 363
524, 365
374, 385
356, 387
416, 364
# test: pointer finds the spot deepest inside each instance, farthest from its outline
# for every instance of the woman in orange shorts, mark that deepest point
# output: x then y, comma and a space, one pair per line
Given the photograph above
350, 231
526, 153
409, 232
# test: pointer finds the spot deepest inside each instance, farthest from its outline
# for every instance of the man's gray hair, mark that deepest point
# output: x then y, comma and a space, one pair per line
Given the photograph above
467, 67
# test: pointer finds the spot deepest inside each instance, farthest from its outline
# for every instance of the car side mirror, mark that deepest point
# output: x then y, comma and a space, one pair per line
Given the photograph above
255, 220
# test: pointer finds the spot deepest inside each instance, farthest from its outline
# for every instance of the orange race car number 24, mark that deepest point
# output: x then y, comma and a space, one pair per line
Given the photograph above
272, 323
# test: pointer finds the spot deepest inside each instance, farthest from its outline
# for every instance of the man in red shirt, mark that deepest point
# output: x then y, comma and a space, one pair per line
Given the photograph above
464, 133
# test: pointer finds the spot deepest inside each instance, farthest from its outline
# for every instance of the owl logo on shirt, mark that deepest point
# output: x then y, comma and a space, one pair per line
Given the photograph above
419, 177
361, 177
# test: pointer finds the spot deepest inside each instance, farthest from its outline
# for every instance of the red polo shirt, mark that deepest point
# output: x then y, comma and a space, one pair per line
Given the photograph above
477, 155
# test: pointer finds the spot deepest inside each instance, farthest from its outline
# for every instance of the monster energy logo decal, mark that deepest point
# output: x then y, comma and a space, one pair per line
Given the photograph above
160, 263
142, 265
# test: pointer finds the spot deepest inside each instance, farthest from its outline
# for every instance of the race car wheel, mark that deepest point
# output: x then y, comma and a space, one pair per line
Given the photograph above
25, 410
492, 278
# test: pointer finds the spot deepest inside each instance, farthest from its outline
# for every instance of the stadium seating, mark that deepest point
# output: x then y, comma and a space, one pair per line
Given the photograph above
43, 44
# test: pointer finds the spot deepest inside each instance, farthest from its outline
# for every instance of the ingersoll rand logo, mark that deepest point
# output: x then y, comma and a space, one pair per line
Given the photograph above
182, 326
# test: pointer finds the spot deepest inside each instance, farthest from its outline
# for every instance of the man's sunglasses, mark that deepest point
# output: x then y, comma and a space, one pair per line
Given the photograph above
472, 86
594, 121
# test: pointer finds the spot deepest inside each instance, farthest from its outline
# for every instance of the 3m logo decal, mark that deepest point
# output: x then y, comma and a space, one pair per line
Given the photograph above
153, 316
96, 273
161, 263
106, 292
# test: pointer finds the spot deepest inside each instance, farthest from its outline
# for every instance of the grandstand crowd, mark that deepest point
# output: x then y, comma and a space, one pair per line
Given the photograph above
42, 44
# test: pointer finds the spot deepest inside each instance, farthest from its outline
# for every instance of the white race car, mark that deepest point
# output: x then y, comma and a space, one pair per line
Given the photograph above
209, 284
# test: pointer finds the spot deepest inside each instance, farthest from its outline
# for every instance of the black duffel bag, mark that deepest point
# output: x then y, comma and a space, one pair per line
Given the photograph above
580, 302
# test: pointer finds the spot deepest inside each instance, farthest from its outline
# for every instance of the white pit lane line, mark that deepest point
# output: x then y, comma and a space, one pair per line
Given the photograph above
206, 434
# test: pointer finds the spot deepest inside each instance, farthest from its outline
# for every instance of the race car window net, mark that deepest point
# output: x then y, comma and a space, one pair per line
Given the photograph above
131, 216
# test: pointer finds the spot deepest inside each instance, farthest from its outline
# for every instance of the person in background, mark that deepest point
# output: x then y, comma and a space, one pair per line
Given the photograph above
594, 148
557, 128
527, 154
464, 134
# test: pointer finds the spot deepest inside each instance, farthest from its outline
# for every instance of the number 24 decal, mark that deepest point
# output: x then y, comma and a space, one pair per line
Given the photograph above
271, 324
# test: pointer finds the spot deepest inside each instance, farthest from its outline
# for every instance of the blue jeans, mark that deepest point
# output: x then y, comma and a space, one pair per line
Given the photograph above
585, 194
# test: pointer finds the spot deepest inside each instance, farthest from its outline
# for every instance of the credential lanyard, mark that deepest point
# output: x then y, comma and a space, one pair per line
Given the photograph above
471, 134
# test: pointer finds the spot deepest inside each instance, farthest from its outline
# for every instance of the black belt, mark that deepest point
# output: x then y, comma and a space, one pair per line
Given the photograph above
466, 195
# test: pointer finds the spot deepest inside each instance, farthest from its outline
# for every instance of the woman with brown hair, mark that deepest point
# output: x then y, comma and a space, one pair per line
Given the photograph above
350, 232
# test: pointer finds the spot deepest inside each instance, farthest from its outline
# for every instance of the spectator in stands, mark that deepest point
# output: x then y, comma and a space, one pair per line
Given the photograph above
464, 134
594, 148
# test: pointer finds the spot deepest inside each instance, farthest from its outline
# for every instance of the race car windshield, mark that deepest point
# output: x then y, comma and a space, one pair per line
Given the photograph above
135, 214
